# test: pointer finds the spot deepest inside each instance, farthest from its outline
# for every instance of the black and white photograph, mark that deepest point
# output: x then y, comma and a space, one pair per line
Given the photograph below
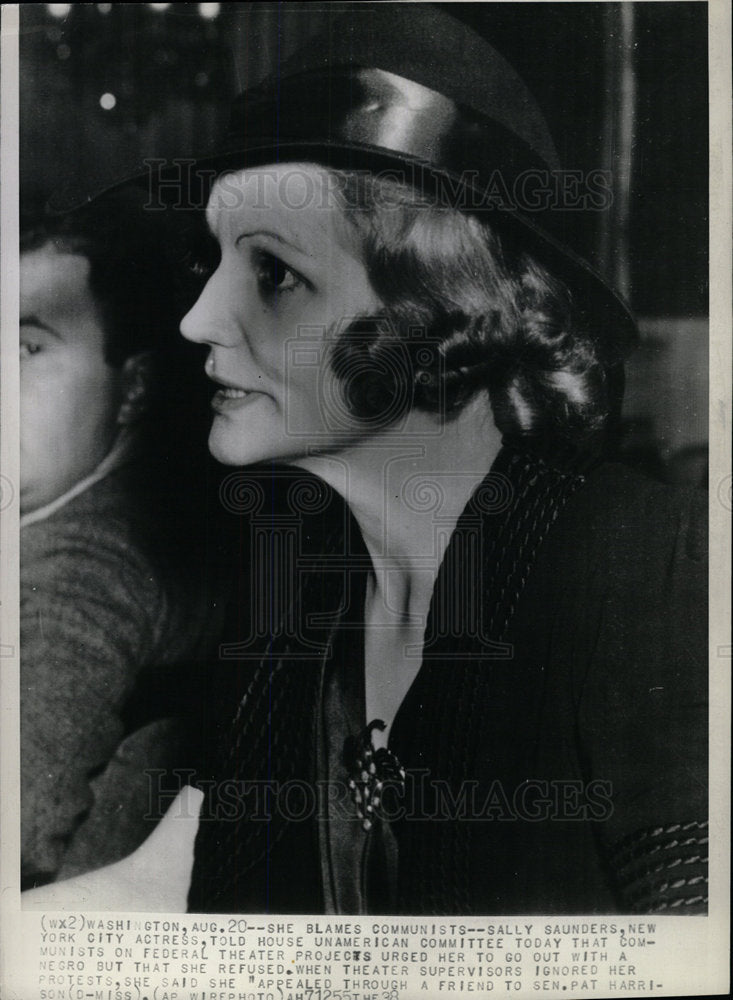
365, 499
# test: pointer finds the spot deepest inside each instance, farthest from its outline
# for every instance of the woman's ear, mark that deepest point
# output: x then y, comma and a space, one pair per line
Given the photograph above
137, 381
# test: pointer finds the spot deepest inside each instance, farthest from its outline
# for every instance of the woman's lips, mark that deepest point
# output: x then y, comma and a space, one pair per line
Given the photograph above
229, 398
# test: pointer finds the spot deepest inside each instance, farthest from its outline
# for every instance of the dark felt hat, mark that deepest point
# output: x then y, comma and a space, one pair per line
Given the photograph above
403, 88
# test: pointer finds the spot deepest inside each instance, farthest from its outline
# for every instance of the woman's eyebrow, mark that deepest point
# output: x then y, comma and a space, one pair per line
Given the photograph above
33, 320
274, 236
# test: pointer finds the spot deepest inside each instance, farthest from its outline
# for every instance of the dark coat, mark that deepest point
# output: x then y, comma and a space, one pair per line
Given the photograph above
555, 739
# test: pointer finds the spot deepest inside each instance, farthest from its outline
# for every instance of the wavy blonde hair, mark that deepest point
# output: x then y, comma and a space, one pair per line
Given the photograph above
466, 311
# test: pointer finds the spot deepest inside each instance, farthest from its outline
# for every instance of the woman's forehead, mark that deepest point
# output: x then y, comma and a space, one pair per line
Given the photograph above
299, 199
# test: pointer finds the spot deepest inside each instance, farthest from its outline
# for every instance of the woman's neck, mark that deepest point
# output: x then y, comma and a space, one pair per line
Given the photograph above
407, 488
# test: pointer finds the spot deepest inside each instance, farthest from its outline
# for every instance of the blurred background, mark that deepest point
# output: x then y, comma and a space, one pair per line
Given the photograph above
623, 87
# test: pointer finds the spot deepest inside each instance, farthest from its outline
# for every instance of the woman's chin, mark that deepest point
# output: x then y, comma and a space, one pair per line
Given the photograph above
235, 446
233, 453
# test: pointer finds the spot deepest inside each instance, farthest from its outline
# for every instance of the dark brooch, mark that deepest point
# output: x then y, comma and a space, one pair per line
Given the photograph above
370, 769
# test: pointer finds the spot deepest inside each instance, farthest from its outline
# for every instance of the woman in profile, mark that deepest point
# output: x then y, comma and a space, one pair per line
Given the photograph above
486, 690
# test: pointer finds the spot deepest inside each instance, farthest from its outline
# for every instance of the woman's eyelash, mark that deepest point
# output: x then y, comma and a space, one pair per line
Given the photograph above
274, 275
202, 260
199, 268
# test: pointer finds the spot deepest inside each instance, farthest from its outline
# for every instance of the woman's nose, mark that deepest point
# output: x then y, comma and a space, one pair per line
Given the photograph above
196, 324
206, 321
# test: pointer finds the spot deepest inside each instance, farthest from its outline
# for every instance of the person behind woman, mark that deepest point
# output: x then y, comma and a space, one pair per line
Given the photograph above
112, 606
484, 691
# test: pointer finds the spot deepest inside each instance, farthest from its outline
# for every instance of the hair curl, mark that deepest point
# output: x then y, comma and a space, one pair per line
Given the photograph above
464, 311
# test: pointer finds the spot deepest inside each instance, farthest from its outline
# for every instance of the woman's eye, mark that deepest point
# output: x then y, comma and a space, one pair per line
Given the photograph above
27, 349
274, 276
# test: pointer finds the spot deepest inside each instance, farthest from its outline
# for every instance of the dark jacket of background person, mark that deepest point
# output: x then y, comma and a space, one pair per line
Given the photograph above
109, 610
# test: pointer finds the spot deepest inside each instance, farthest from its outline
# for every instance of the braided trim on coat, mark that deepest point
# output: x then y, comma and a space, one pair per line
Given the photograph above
664, 869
